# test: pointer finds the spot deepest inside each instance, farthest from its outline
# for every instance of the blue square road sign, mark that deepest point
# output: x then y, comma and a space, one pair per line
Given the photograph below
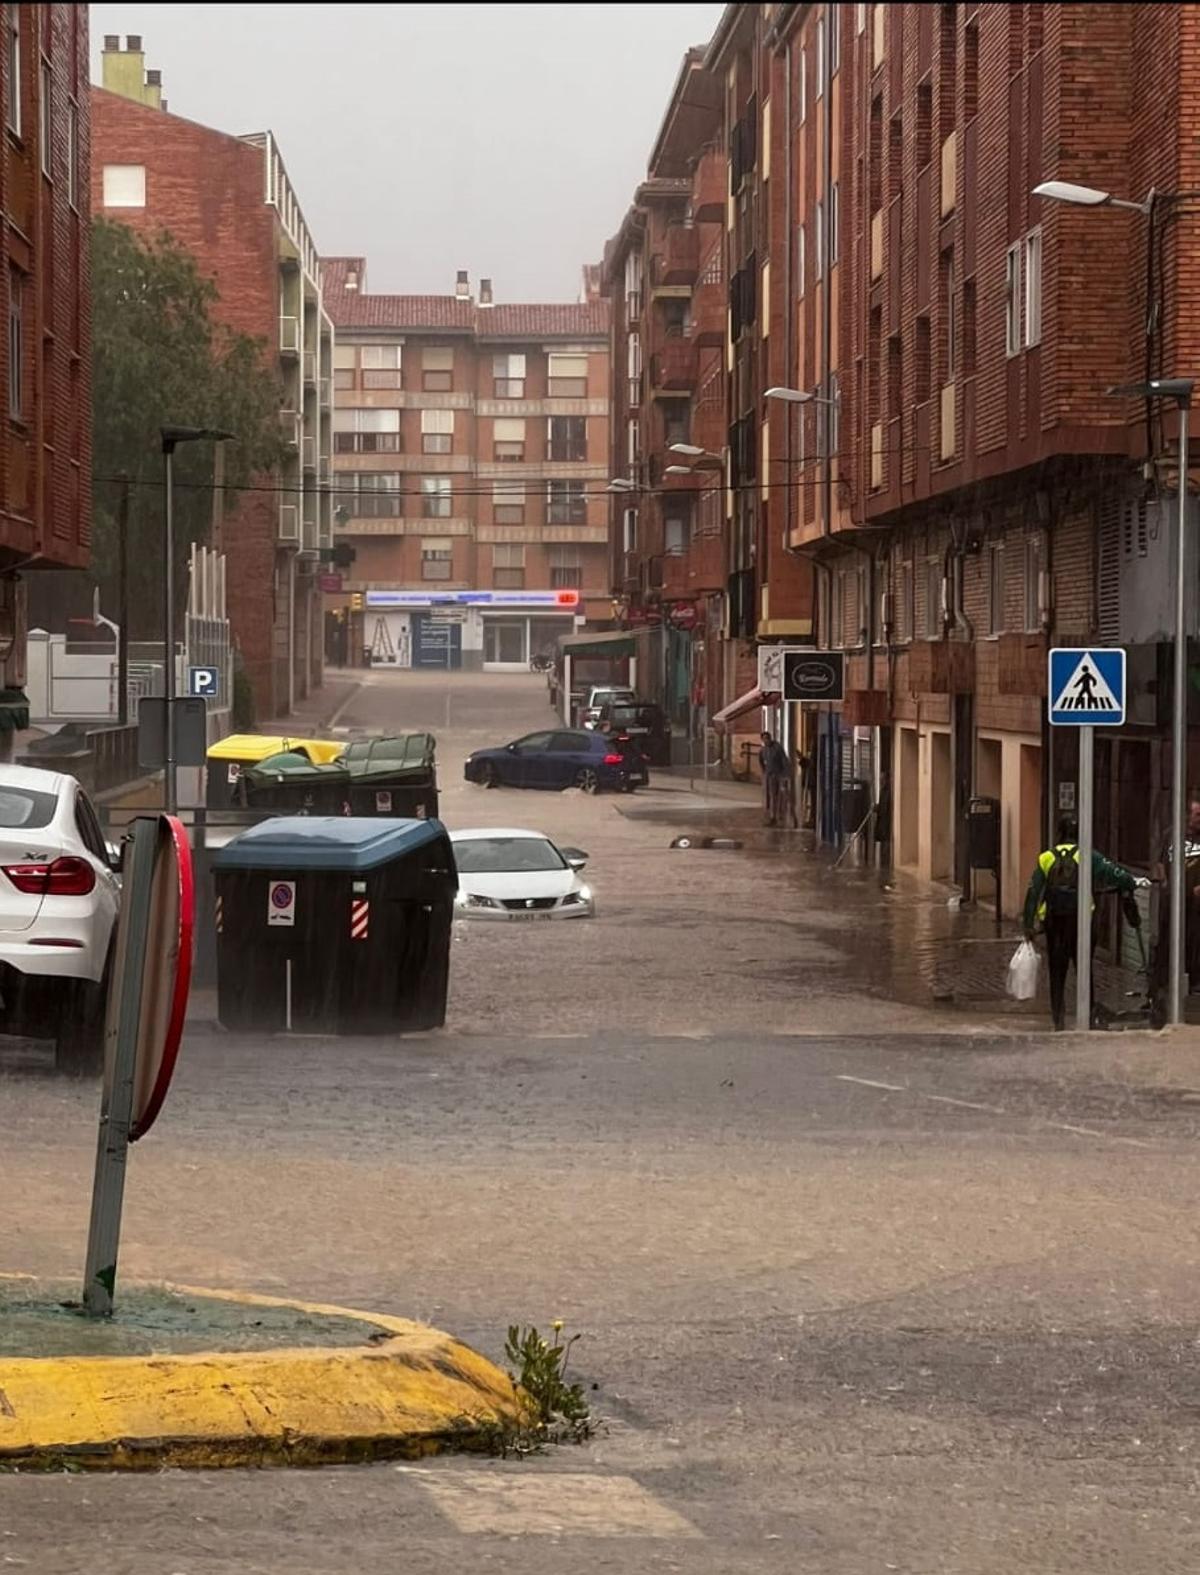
1086, 687
204, 683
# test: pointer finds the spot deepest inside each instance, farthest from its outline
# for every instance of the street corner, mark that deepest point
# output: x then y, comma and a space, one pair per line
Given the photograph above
195, 1378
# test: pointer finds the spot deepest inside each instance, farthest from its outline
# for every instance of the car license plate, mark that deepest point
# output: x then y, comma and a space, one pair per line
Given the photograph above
534, 913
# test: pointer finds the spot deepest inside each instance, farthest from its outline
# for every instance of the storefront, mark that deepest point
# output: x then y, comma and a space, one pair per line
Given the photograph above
498, 631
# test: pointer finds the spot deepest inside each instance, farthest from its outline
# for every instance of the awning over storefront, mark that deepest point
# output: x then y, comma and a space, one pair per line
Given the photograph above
613, 642
747, 702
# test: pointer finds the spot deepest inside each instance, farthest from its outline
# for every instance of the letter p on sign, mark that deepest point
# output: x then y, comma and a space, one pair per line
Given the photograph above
204, 682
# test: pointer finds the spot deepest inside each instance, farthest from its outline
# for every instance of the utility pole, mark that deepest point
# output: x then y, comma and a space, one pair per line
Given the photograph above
123, 600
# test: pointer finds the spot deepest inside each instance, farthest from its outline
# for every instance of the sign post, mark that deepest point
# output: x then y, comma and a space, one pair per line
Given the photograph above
1086, 690
152, 971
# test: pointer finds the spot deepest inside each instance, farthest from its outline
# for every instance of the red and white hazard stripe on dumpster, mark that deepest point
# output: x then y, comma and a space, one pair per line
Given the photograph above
360, 913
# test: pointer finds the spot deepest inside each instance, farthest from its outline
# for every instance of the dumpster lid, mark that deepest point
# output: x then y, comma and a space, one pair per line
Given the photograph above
325, 842
250, 747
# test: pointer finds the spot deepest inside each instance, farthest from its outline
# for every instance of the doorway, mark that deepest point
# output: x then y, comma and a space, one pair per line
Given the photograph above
908, 786
940, 806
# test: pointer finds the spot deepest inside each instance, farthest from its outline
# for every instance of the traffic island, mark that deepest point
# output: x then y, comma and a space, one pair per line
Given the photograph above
198, 1378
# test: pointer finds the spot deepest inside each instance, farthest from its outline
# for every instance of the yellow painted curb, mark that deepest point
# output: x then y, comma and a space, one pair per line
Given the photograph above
408, 1390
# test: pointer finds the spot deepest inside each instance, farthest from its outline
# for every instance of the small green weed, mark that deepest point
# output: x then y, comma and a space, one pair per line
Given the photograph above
564, 1415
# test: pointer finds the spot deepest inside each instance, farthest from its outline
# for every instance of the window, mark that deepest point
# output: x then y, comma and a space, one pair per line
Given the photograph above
949, 316
435, 497
15, 84
995, 568
820, 56
566, 570
819, 241
633, 286
834, 225
508, 376
802, 85
437, 431
380, 366
508, 438
566, 503
933, 599
46, 120
508, 567
437, 558
801, 260
377, 495
437, 371
343, 367
566, 437
1033, 287
1033, 584
833, 414
837, 610
860, 18
633, 443
508, 502
971, 69
16, 345
676, 535
1012, 300
969, 330
630, 523
835, 40
123, 186
72, 152
568, 376
905, 610
366, 431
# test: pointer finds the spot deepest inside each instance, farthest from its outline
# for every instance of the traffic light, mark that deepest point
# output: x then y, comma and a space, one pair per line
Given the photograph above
356, 601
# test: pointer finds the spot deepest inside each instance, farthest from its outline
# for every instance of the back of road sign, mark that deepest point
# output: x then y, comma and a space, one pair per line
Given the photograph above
1086, 688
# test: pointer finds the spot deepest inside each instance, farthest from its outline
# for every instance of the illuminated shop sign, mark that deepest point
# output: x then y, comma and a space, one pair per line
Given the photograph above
557, 601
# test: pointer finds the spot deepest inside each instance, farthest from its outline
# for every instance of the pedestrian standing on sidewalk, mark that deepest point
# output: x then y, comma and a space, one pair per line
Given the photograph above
774, 762
1053, 902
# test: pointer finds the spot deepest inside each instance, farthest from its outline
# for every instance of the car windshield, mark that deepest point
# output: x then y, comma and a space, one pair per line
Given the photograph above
22, 808
631, 715
506, 856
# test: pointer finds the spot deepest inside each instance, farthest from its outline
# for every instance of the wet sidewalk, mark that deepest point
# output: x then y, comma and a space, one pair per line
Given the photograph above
318, 711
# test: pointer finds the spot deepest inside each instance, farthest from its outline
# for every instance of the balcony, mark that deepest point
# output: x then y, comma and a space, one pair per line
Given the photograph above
675, 576
309, 451
289, 428
289, 523
941, 667
708, 301
706, 570
1021, 664
309, 523
310, 368
673, 369
678, 262
710, 187
289, 336
709, 427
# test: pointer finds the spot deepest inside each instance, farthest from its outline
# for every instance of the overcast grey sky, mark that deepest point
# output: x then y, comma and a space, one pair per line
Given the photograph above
504, 139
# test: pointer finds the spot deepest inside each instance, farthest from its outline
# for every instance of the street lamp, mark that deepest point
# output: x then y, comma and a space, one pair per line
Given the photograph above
1088, 196
798, 396
621, 484
171, 437
680, 470
1180, 390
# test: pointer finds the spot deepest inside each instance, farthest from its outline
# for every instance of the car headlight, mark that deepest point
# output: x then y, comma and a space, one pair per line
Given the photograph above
468, 899
575, 899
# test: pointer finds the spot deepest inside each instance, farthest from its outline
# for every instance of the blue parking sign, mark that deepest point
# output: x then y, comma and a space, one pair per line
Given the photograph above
204, 683
1086, 687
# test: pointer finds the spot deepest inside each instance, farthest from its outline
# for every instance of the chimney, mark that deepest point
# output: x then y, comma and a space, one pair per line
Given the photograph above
485, 292
351, 278
123, 71
462, 288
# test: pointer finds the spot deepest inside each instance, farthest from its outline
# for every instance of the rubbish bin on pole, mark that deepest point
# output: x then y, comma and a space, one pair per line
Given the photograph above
335, 924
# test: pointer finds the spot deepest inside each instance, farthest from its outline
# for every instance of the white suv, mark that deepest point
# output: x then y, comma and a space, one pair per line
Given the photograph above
59, 897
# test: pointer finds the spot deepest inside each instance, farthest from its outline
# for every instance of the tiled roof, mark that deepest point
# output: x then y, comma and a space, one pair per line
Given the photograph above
358, 309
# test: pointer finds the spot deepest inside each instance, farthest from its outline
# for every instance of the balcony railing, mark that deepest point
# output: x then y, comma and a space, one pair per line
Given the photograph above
289, 335
310, 453
289, 427
710, 187
673, 368
289, 522
310, 368
706, 564
678, 262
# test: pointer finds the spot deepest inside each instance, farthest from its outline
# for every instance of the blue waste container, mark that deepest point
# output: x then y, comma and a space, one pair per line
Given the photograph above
335, 924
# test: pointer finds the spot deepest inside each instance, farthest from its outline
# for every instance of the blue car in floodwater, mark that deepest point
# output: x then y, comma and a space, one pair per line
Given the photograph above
559, 759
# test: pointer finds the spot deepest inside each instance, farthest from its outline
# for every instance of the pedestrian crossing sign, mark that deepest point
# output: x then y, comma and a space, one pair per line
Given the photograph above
1087, 687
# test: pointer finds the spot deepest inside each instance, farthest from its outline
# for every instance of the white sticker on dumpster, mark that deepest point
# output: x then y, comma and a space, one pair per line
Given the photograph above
281, 902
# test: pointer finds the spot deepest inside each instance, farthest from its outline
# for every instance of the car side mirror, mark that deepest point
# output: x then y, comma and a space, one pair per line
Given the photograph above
575, 857
512, 748
116, 856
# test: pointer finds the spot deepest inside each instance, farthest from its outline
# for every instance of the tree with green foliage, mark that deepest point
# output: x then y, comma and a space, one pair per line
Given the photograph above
161, 357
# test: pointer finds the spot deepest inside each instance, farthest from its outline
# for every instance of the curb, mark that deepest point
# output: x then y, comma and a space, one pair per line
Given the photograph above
409, 1390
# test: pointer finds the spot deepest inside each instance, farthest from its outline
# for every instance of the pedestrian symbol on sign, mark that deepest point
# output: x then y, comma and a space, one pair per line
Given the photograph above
1087, 687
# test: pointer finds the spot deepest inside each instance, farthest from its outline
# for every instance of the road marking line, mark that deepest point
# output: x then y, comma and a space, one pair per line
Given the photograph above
867, 1082
559, 1503
965, 1104
1112, 1137
345, 705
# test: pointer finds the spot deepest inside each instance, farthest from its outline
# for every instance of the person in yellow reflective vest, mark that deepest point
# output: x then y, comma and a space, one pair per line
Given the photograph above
1052, 901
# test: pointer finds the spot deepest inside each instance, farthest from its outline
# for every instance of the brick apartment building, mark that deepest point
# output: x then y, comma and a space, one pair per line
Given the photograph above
471, 458
956, 478
229, 201
45, 388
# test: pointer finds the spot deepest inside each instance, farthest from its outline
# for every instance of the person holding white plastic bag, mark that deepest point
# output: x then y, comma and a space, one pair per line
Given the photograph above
1053, 902
1023, 972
